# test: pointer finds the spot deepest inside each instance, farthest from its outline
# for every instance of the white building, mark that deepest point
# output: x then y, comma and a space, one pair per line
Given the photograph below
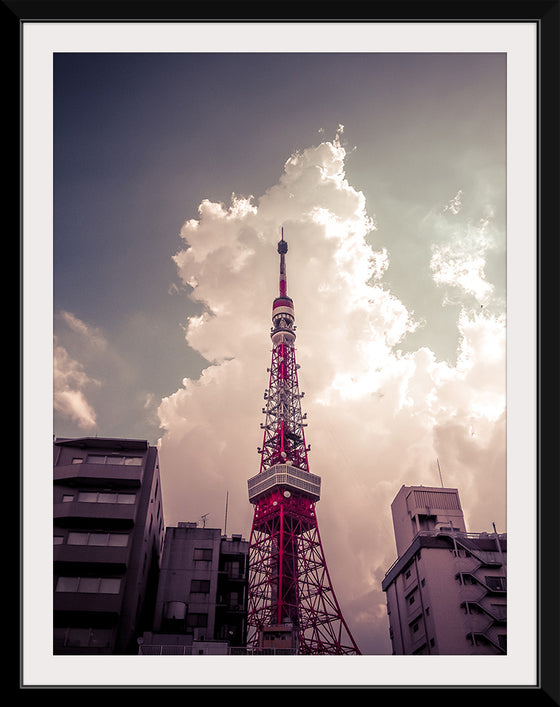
447, 591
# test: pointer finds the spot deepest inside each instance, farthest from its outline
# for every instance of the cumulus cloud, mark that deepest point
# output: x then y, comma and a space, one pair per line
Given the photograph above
378, 417
70, 381
99, 382
460, 261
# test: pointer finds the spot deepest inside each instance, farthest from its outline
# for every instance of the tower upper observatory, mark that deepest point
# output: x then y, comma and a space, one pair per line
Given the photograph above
283, 316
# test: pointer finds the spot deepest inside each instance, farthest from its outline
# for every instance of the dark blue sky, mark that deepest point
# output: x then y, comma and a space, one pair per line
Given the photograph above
141, 139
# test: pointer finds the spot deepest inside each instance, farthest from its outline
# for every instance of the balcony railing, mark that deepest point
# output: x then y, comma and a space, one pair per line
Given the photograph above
84, 474
459, 534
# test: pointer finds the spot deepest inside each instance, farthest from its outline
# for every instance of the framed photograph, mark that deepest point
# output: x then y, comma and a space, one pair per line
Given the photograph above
387, 184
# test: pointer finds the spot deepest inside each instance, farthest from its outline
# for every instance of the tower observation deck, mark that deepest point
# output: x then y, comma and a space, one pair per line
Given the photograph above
292, 604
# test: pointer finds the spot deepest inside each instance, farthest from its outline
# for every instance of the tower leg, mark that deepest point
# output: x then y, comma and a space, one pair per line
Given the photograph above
290, 589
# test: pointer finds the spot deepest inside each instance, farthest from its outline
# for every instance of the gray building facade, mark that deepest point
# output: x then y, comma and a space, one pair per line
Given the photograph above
108, 531
201, 604
447, 591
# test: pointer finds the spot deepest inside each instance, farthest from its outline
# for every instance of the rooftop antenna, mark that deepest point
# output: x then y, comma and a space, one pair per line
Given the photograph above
203, 519
225, 519
439, 472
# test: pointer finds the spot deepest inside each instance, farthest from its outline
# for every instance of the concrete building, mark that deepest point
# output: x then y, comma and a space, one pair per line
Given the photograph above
201, 604
108, 533
447, 591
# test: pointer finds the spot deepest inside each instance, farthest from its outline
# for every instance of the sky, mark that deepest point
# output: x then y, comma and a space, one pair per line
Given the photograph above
173, 177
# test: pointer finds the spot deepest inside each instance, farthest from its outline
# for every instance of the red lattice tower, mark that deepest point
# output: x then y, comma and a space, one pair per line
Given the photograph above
292, 604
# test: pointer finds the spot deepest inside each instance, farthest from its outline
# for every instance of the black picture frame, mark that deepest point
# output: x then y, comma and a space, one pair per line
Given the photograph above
545, 15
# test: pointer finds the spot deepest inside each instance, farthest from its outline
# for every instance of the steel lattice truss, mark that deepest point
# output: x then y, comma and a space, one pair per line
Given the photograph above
289, 584
284, 438
289, 580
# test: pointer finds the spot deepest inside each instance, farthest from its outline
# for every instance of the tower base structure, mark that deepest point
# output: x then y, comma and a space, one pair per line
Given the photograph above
292, 604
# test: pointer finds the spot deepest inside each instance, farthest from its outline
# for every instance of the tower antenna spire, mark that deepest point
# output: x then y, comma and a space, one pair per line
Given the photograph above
290, 592
283, 249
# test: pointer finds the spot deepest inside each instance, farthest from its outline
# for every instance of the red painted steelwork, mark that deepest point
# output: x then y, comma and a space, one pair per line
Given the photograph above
289, 584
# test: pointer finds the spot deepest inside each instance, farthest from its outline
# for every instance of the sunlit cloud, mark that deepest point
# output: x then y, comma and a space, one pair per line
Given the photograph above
70, 380
378, 417
460, 261
454, 205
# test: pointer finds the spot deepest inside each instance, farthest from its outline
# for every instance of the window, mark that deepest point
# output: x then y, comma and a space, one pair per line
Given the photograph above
98, 539
126, 498
90, 585
58, 540
67, 584
202, 554
87, 497
496, 583
77, 538
114, 459
117, 540
106, 497
77, 460
109, 585
96, 459
98, 637
234, 599
197, 620
200, 586
67, 498
233, 568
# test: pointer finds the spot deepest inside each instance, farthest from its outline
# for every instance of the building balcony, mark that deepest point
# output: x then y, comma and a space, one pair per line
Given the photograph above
227, 576
492, 585
109, 514
86, 603
87, 554
98, 474
498, 644
497, 613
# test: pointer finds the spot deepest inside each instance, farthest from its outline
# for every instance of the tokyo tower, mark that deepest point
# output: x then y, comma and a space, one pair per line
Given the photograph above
292, 604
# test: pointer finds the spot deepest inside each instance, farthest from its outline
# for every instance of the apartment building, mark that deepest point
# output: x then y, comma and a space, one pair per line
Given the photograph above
447, 591
201, 604
108, 534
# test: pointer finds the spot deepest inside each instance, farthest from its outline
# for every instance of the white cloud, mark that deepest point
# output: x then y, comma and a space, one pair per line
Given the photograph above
378, 418
93, 336
70, 379
454, 205
460, 262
